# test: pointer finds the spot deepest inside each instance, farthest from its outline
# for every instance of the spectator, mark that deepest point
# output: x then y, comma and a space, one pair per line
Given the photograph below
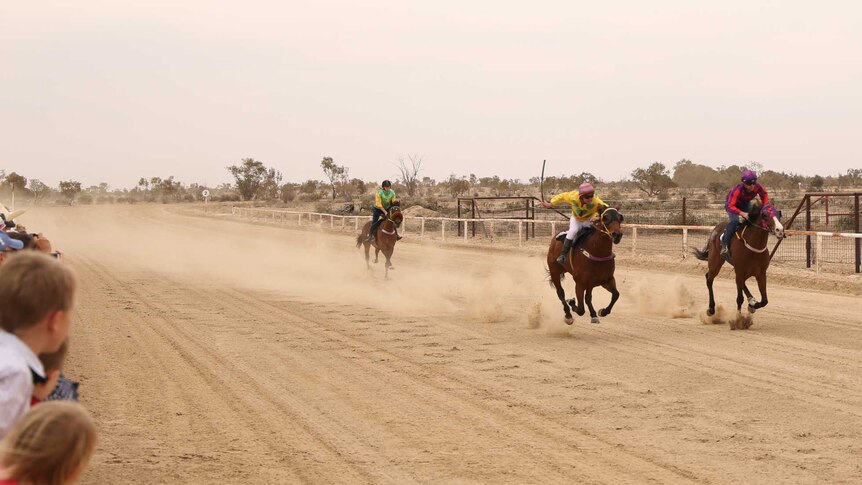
36, 298
52, 445
53, 365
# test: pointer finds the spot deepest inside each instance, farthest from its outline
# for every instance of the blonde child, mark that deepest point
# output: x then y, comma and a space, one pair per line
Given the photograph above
52, 445
36, 298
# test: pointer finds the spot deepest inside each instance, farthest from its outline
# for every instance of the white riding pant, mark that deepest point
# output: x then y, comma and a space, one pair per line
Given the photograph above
575, 226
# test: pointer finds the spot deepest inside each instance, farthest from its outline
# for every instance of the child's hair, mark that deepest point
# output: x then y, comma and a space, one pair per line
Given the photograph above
52, 444
54, 360
32, 286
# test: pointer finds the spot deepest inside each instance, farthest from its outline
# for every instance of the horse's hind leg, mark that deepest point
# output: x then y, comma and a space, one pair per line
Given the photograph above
615, 295
740, 284
376, 255
588, 298
561, 294
367, 256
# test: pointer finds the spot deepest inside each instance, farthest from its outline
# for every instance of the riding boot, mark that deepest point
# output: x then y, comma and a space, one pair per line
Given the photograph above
725, 251
564, 255
397, 236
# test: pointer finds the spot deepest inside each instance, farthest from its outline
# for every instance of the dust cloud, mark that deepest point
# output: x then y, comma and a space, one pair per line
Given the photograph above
666, 298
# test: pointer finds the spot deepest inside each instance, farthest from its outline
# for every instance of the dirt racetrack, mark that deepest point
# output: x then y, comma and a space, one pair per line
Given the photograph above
214, 351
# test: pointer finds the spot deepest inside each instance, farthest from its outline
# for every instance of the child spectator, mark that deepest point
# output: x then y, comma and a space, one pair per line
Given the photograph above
36, 298
52, 445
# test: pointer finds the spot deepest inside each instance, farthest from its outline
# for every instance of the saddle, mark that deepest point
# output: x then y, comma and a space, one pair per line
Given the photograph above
579, 237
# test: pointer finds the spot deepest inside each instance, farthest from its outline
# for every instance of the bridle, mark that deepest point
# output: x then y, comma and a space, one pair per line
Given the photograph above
604, 228
389, 218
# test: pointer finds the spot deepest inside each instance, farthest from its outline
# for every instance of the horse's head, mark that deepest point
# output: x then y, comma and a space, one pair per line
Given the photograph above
395, 215
612, 221
770, 219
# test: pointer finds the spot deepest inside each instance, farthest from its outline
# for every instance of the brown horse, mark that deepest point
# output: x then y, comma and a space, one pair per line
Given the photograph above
591, 264
748, 254
33, 241
384, 239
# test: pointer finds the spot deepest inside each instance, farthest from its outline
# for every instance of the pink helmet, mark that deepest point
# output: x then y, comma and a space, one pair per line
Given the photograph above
749, 176
585, 189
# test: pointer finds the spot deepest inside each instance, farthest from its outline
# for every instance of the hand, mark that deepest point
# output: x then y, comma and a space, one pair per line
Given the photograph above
546, 205
743, 215
385, 212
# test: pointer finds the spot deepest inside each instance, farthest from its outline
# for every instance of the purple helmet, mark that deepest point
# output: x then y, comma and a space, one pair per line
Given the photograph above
749, 176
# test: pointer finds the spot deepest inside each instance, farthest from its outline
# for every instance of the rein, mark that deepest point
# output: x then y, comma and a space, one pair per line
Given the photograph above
740, 234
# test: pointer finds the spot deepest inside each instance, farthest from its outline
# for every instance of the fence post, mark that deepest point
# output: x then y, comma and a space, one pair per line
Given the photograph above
634, 239
818, 252
356, 223
465, 231
684, 240
422, 228
520, 230
443, 230
683, 211
343, 222
299, 219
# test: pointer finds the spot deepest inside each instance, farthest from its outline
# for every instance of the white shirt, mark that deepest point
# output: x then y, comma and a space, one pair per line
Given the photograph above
17, 365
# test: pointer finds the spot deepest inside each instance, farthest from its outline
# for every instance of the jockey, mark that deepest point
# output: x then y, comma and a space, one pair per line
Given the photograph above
737, 205
585, 205
384, 199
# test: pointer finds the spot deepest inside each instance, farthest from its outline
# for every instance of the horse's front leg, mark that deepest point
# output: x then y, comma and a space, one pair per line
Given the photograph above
579, 294
709, 280
376, 255
761, 285
615, 295
752, 303
388, 260
588, 297
367, 255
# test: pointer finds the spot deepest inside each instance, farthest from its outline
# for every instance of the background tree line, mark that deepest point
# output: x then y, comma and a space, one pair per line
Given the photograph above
255, 181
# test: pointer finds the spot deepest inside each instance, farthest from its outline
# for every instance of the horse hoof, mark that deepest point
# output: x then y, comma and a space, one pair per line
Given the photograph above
604, 312
570, 320
710, 312
594, 320
751, 309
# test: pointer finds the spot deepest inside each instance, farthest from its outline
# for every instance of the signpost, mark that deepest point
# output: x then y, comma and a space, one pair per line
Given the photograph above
206, 195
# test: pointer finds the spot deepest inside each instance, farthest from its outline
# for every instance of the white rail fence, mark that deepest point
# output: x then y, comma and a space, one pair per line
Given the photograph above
827, 247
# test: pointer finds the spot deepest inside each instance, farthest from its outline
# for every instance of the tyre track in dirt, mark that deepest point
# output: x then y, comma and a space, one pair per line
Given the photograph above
248, 304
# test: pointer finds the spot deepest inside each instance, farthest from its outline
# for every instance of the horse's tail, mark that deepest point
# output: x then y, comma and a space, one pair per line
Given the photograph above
359, 241
551, 281
701, 255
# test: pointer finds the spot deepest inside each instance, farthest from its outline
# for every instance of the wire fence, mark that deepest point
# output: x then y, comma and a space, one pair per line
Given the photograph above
828, 250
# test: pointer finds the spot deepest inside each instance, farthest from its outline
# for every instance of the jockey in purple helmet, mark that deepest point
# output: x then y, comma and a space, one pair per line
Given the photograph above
737, 205
585, 204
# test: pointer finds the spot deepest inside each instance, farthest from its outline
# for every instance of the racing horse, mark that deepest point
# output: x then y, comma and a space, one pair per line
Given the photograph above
384, 239
749, 256
591, 264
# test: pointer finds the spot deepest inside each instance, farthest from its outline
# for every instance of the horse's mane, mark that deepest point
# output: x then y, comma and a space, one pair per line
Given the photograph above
755, 212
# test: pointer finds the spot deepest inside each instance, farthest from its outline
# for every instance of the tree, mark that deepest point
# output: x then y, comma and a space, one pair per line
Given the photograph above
15, 181
457, 186
716, 188
816, 183
270, 188
410, 172
70, 189
249, 175
39, 189
333, 172
653, 180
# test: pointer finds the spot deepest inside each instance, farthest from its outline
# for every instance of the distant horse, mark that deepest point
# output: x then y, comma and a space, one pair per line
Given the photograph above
748, 254
591, 265
384, 239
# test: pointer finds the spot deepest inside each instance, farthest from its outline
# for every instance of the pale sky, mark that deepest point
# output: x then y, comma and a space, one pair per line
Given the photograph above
112, 91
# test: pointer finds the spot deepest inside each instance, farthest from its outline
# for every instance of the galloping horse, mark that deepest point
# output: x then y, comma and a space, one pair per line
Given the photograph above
384, 239
591, 265
748, 254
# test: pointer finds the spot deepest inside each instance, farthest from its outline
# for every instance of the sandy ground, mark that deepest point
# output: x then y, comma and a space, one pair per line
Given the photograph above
214, 351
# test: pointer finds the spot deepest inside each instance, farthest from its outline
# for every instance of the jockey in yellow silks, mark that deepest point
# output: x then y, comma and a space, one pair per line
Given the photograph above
585, 205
